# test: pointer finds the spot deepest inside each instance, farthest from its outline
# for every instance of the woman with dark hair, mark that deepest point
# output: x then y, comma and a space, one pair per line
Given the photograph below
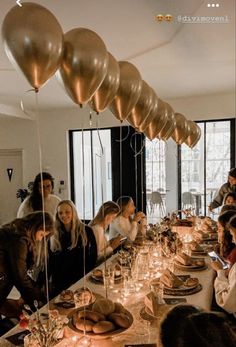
230, 198
186, 326
73, 248
20, 251
225, 282
106, 214
127, 223
41, 197
229, 186
227, 249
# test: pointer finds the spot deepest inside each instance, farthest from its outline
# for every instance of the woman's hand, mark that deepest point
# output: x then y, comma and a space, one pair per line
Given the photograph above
138, 216
114, 243
216, 265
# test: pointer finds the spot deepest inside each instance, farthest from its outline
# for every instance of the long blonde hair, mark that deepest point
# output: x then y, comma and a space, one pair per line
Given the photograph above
77, 229
109, 207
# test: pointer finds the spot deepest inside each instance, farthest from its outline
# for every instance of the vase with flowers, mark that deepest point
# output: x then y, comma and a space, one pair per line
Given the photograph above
44, 332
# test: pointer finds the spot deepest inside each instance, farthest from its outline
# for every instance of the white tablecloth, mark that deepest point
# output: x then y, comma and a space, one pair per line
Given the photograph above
142, 330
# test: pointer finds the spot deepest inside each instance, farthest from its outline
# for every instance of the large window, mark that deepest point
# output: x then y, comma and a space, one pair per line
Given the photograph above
91, 170
155, 179
205, 167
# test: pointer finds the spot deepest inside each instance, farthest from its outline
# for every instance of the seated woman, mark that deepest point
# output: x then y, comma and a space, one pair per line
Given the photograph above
226, 247
73, 248
107, 212
230, 198
41, 197
225, 282
19, 252
127, 223
186, 325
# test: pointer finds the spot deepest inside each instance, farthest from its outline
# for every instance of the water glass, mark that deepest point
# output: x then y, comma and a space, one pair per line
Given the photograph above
106, 277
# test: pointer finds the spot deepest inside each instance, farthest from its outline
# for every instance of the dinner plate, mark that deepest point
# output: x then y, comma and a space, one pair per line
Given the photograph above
182, 288
196, 253
93, 335
99, 280
185, 292
71, 303
193, 267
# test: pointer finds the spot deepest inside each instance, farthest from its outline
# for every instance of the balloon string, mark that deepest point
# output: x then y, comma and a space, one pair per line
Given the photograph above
151, 209
121, 140
136, 172
120, 160
142, 180
131, 145
22, 102
83, 199
103, 209
42, 194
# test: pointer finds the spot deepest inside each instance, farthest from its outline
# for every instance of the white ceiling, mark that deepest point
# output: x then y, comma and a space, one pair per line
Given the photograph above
177, 60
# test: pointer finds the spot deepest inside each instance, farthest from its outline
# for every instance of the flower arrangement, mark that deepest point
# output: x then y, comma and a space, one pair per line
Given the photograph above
44, 332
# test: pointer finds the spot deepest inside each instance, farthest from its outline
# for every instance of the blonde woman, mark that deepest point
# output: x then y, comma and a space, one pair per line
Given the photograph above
73, 248
106, 214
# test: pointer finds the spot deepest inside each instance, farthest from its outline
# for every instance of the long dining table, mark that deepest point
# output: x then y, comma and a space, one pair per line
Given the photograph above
145, 327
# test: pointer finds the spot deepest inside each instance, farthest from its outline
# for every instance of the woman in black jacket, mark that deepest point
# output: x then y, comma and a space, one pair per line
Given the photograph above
73, 248
20, 251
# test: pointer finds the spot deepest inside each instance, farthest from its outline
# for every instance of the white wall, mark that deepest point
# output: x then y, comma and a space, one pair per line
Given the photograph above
53, 128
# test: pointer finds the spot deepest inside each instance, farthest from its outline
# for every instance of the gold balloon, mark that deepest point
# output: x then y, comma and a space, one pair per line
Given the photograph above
155, 121
84, 64
181, 131
152, 113
196, 136
143, 107
128, 92
33, 41
170, 125
107, 91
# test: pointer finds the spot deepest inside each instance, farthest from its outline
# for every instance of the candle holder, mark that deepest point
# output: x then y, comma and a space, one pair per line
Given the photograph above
43, 332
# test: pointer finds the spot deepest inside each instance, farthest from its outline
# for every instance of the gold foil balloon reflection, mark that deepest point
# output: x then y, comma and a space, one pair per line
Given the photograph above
128, 92
181, 131
143, 107
33, 40
107, 91
170, 125
84, 64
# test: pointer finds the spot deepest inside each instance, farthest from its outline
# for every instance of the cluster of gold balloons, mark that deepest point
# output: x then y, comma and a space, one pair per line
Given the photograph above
35, 43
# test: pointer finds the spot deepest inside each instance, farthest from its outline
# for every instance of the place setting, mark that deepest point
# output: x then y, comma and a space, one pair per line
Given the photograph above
186, 263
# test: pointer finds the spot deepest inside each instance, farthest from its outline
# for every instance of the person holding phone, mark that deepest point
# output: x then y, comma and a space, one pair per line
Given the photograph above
226, 247
225, 282
106, 214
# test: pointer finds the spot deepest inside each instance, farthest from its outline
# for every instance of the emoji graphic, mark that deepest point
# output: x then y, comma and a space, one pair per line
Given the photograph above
168, 17
159, 17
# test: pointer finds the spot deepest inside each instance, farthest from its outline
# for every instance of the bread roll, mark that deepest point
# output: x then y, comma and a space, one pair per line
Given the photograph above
200, 262
91, 315
104, 306
122, 320
191, 282
84, 324
98, 273
103, 327
119, 308
196, 247
67, 295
